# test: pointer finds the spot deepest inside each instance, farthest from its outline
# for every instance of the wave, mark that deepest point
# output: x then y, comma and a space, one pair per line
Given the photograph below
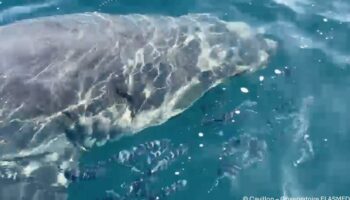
301, 149
337, 10
16, 11
298, 39
295, 5
340, 11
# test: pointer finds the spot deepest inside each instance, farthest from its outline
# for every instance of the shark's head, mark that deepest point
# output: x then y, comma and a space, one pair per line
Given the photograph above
230, 48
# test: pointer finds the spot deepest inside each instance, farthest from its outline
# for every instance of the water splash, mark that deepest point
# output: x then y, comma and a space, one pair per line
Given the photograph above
17, 11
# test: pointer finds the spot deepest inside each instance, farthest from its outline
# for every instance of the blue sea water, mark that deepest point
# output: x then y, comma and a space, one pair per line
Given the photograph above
289, 135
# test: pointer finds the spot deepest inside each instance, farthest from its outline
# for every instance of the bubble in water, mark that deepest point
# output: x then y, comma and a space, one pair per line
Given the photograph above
261, 78
277, 71
244, 90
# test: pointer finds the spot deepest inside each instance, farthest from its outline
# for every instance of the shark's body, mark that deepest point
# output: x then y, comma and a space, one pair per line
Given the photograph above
69, 82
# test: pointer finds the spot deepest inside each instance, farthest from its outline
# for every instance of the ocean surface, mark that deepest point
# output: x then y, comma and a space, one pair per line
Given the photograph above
280, 131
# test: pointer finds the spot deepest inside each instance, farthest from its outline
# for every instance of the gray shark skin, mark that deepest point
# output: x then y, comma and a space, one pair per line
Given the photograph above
70, 82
